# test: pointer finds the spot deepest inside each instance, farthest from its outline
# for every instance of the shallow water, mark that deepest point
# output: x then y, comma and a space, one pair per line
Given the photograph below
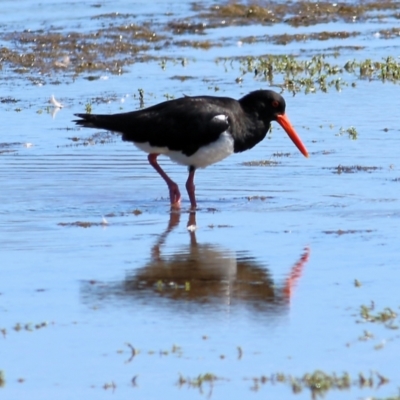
271, 282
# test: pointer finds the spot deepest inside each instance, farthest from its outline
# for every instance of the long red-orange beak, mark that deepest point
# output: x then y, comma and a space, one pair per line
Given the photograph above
284, 122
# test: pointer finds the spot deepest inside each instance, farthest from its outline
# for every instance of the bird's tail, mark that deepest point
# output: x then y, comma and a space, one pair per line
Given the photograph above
107, 122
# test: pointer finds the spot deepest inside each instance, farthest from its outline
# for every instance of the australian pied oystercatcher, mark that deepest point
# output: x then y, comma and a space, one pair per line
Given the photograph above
197, 131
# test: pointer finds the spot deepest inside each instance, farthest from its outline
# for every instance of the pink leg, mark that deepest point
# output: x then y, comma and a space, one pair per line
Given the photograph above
174, 194
191, 188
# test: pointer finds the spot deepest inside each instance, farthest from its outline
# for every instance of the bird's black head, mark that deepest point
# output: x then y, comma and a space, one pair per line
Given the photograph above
267, 104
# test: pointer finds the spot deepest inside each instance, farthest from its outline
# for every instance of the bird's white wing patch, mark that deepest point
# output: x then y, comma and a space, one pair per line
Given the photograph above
220, 117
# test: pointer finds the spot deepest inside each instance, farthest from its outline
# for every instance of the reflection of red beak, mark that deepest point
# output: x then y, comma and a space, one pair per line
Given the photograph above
284, 122
296, 272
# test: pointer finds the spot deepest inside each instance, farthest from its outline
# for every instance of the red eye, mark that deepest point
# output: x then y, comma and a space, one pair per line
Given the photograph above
275, 104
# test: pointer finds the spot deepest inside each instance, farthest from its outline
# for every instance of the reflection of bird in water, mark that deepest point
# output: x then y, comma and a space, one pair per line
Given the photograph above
203, 273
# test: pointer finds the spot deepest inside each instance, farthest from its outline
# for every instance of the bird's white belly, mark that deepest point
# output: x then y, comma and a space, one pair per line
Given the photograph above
147, 148
206, 155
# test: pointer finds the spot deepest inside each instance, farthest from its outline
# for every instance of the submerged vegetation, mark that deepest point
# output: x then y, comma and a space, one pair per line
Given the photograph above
319, 383
300, 13
117, 41
316, 73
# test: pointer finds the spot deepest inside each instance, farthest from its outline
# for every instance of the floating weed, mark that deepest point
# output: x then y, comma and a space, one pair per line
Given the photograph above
163, 64
386, 398
352, 132
180, 27
342, 169
8, 100
389, 33
6, 148
102, 137
92, 77
94, 51
366, 336
284, 39
281, 154
110, 385
87, 224
357, 283
319, 382
247, 13
299, 13
240, 352
141, 98
364, 382
182, 78
177, 350
88, 108
101, 100
197, 44
317, 73
28, 327
81, 224
169, 96
386, 316
340, 232
135, 212
261, 198
261, 163
212, 226
199, 382
380, 346
2, 378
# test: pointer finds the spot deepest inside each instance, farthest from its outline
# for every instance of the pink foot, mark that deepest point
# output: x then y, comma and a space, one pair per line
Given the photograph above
174, 195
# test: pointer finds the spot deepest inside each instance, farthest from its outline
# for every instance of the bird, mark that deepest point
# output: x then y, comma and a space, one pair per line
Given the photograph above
197, 131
